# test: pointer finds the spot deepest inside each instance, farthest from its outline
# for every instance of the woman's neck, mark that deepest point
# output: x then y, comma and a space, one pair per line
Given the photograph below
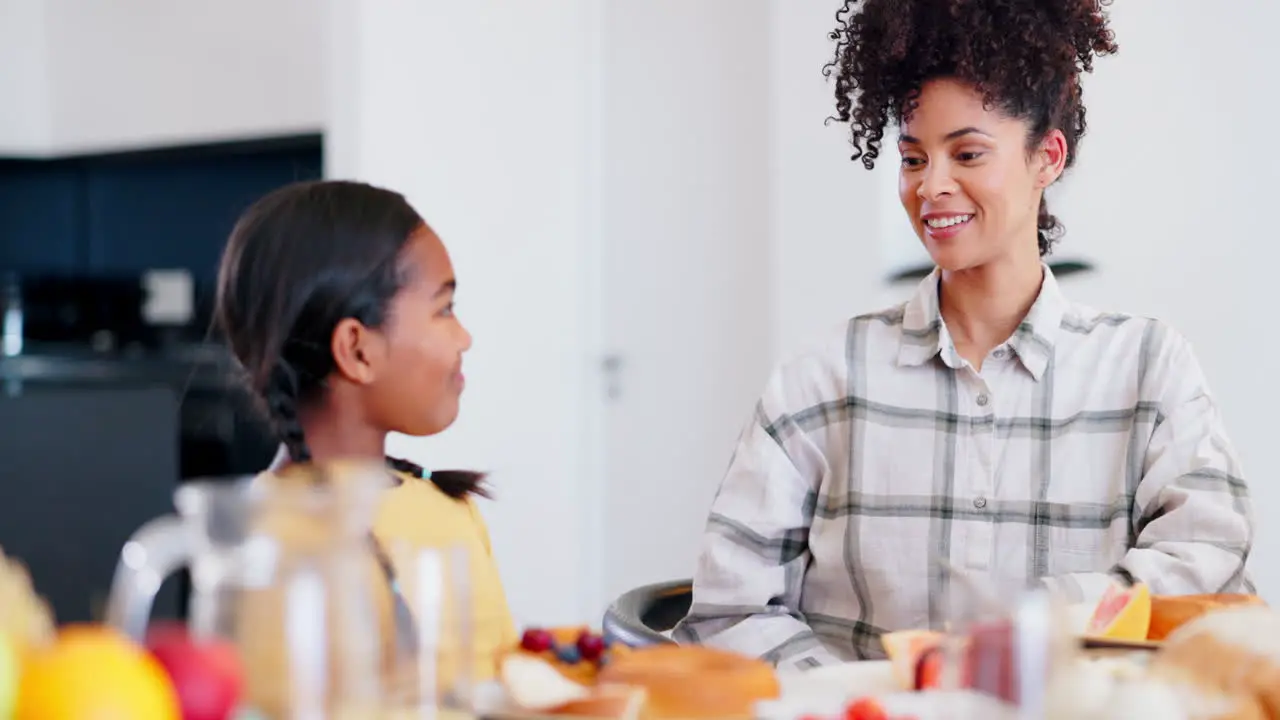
982, 306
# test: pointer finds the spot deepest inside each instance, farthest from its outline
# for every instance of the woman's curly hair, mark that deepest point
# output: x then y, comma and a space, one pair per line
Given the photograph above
1024, 56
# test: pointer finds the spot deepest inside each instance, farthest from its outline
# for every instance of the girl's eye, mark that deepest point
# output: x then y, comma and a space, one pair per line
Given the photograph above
447, 310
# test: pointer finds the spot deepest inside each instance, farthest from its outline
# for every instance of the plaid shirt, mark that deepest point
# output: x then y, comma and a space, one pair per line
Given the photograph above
1088, 449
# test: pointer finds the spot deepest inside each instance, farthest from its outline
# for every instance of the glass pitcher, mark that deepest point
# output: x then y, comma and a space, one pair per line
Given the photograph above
282, 568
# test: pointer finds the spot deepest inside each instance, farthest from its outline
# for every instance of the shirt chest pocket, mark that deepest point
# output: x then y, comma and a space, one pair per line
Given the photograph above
1094, 542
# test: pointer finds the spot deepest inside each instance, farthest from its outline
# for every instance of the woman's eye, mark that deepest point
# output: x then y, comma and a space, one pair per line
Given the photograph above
910, 162
968, 156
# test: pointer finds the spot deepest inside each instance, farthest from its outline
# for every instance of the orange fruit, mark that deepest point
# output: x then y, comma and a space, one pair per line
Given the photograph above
1122, 614
94, 673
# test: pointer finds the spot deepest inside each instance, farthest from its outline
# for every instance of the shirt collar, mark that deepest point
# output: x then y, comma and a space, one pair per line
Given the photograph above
924, 334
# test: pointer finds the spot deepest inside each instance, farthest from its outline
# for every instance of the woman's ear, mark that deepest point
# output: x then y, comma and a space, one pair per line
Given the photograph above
357, 351
1051, 158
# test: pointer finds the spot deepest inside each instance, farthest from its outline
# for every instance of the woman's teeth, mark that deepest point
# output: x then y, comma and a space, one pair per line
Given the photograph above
947, 221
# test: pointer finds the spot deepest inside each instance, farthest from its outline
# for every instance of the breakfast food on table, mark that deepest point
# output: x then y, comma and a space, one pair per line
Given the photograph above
686, 681
1134, 614
25, 618
1124, 613
1169, 612
90, 671
1222, 662
916, 656
534, 685
1234, 650
573, 672
577, 652
9, 668
1124, 688
205, 672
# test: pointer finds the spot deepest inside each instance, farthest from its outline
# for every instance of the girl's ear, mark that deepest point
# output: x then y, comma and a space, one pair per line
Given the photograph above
357, 351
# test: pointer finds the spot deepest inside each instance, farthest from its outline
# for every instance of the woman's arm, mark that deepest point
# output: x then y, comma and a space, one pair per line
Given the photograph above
746, 589
1193, 515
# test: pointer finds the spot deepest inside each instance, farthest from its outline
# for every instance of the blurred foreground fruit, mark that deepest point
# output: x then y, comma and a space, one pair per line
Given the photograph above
906, 650
206, 674
94, 672
9, 667
25, 618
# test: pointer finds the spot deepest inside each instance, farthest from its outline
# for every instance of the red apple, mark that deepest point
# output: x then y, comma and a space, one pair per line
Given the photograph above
205, 673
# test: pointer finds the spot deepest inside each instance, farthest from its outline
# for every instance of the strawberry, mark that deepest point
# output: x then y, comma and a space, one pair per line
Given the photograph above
865, 709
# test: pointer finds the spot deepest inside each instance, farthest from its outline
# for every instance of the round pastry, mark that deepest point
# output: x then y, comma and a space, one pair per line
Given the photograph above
1234, 650
577, 652
1169, 612
1121, 688
686, 681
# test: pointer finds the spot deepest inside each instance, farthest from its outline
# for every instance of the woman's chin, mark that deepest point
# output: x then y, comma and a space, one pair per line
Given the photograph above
954, 259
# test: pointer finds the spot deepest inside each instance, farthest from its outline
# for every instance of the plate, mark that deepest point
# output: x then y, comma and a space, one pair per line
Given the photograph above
1096, 643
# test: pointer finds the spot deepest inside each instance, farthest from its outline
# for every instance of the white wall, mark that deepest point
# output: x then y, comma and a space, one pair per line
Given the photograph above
103, 76
480, 115
826, 214
24, 87
685, 235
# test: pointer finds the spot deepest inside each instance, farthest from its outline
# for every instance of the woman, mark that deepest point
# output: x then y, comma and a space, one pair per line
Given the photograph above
989, 423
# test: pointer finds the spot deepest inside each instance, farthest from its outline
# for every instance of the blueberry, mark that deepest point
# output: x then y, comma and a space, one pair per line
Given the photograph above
568, 654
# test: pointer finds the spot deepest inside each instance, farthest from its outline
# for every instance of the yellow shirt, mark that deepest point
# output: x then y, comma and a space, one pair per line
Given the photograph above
413, 515
418, 513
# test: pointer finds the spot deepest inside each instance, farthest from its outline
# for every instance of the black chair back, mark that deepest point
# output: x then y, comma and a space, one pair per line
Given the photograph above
640, 616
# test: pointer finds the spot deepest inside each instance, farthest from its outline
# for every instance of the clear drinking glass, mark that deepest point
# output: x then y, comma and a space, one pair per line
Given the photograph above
438, 679
1005, 641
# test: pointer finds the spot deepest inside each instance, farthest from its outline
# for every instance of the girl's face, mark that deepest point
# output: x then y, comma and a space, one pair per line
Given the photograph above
418, 379
968, 183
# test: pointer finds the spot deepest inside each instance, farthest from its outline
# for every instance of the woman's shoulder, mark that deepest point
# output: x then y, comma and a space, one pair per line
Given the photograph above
1150, 349
1086, 323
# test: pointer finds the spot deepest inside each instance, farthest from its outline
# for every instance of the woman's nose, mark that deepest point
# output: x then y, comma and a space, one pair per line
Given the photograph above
937, 181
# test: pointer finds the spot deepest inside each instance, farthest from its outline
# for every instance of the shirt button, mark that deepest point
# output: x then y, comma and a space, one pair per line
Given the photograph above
979, 502
983, 400
1001, 354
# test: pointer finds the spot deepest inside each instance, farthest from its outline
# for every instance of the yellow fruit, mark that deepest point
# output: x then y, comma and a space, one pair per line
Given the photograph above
94, 673
1122, 614
9, 668
25, 618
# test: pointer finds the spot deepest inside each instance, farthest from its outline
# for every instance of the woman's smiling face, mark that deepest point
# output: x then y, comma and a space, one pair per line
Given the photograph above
970, 184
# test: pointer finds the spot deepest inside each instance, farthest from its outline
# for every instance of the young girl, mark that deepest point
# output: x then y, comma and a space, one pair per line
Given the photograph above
337, 300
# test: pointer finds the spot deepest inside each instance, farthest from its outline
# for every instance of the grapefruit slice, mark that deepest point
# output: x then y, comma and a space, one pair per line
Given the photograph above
905, 648
1124, 613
